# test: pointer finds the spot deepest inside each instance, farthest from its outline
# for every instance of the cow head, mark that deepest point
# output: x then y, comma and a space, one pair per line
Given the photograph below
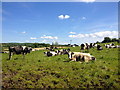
93, 58
86, 57
70, 55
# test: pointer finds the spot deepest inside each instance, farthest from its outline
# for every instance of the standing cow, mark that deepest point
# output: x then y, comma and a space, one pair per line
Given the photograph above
85, 46
19, 50
82, 46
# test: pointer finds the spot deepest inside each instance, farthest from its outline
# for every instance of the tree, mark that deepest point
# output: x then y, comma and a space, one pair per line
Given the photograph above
106, 40
114, 40
35, 45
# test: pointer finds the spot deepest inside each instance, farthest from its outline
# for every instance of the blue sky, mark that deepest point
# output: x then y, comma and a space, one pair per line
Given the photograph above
61, 21
60, 0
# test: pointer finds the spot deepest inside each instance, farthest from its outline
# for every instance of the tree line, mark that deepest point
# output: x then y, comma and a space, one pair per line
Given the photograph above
108, 39
33, 45
37, 45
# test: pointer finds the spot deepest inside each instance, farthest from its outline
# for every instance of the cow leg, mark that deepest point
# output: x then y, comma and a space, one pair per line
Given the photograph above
83, 58
10, 55
23, 55
78, 58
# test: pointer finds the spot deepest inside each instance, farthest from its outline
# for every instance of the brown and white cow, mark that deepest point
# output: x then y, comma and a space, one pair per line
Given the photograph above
79, 56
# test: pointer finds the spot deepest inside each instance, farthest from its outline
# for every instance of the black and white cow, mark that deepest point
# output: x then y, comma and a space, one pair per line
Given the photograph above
19, 50
64, 51
112, 45
85, 46
51, 53
92, 45
51, 48
82, 46
99, 47
57, 52
117, 46
79, 56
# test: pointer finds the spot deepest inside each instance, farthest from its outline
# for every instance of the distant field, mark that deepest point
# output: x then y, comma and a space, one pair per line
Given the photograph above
39, 71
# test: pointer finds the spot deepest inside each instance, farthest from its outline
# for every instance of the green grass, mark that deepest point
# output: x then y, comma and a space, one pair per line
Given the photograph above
39, 71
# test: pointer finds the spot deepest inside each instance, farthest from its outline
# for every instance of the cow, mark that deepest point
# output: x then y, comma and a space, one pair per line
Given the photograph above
19, 50
51, 48
92, 45
55, 48
57, 52
50, 53
79, 56
112, 45
74, 45
47, 48
117, 46
99, 47
82, 46
85, 46
64, 51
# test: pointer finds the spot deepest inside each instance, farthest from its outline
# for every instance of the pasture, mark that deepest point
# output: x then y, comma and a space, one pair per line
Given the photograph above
39, 71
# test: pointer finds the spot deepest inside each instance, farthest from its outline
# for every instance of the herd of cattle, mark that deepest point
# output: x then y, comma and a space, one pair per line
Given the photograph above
54, 51
99, 47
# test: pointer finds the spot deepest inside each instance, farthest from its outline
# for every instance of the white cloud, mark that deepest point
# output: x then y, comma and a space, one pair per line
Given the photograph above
93, 37
77, 36
44, 41
33, 38
63, 16
111, 34
23, 32
48, 37
84, 18
72, 32
27, 41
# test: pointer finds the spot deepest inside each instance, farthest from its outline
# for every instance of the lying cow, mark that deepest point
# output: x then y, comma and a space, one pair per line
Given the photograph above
64, 51
51, 48
117, 46
99, 47
50, 53
79, 56
57, 52
19, 50
112, 45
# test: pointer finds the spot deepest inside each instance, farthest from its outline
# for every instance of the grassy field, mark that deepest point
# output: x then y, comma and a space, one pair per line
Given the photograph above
39, 71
